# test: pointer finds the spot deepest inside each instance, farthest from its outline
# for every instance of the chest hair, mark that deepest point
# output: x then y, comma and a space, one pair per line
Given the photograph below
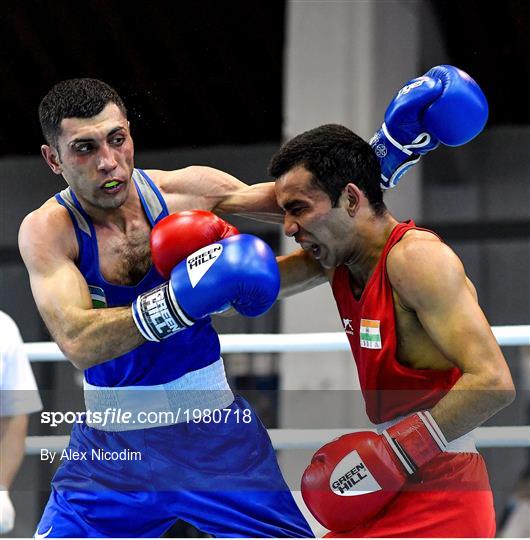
124, 259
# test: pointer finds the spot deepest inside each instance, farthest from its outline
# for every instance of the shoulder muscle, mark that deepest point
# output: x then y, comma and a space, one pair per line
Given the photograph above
47, 234
422, 269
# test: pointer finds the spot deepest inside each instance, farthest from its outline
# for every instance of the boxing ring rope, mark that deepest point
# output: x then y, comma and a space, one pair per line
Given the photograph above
309, 439
274, 343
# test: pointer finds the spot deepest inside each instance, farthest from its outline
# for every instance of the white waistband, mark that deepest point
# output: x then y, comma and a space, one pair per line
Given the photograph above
466, 443
185, 399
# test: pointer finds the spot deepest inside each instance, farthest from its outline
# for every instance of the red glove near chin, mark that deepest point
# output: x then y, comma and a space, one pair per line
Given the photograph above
181, 234
353, 477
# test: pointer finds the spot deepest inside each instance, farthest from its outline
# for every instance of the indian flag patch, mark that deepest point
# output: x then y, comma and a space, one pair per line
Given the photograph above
99, 300
370, 334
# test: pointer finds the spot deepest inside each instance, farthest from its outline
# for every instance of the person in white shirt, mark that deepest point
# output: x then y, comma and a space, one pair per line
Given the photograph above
18, 398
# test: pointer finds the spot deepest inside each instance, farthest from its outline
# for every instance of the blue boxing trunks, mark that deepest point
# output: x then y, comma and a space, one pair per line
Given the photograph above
222, 477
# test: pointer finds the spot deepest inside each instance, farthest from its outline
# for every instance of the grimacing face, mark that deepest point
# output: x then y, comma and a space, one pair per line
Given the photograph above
310, 219
96, 157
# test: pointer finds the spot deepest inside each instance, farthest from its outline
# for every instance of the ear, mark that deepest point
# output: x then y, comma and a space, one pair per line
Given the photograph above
51, 156
353, 193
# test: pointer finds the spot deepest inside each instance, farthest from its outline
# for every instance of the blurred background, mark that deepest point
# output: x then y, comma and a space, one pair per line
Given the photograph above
223, 83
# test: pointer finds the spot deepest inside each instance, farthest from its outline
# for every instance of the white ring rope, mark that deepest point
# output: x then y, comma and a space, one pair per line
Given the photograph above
311, 439
308, 439
41, 351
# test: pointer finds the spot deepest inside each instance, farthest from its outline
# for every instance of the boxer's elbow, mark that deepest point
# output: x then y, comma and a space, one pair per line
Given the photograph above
507, 394
73, 353
502, 390
79, 353
86, 338
504, 396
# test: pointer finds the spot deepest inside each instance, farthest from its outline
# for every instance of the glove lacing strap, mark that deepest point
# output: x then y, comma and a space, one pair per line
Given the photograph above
395, 159
433, 429
157, 314
405, 460
422, 140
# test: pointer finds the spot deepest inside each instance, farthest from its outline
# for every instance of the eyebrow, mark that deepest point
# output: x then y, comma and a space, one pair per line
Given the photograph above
89, 139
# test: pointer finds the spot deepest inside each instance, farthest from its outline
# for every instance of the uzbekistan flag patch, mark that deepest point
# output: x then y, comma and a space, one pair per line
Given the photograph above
99, 300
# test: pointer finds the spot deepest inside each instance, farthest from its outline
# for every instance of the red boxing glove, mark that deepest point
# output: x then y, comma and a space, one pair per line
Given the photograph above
181, 234
353, 477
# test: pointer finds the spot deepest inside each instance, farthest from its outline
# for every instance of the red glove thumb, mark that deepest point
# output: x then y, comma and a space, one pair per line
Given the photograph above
182, 233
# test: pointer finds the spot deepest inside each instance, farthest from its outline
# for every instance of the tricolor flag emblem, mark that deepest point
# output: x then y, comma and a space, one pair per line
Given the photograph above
370, 334
99, 299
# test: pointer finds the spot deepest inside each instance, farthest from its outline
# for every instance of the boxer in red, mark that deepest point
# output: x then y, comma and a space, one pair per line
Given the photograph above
429, 366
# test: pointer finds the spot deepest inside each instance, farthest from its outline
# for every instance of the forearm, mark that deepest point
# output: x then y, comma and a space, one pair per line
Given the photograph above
291, 288
267, 217
299, 272
471, 402
13, 431
256, 202
93, 336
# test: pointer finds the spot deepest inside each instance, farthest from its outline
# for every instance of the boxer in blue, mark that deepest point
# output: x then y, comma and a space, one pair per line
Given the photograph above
145, 342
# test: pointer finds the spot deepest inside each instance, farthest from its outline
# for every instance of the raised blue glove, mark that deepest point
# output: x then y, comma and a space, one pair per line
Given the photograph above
240, 271
443, 106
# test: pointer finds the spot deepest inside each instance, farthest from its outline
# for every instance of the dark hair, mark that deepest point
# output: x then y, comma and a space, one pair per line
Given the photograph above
335, 156
74, 98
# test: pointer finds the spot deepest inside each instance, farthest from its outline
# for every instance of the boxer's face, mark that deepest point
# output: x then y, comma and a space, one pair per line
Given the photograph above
318, 227
96, 157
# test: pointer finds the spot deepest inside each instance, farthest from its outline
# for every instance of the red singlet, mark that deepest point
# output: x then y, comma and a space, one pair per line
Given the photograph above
450, 496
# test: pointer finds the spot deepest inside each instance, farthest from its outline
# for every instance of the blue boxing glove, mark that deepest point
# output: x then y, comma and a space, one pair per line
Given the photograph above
240, 271
443, 106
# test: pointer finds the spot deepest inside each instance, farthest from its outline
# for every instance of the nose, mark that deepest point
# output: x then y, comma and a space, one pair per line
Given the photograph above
106, 159
290, 227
